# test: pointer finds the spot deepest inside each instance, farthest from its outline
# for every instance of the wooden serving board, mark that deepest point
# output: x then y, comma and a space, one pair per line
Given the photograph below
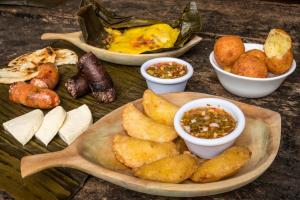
119, 58
92, 153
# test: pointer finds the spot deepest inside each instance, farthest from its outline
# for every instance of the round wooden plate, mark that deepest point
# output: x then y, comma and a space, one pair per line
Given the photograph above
92, 153
115, 57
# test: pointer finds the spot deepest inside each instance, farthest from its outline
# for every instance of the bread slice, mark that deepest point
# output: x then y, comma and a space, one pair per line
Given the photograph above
52, 122
77, 121
278, 49
22, 128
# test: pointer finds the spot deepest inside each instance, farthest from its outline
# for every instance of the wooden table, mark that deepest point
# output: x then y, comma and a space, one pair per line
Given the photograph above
20, 30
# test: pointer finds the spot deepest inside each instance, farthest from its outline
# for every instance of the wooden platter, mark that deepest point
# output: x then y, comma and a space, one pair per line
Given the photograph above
92, 153
115, 57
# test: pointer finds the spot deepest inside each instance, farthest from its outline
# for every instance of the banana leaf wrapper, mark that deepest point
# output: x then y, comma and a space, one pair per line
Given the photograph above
93, 18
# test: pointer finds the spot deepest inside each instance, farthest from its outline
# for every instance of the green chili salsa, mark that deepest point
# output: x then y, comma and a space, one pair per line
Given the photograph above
167, 70
208, 122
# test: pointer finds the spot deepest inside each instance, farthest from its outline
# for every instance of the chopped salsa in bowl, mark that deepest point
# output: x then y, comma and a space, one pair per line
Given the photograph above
167, 70
208, 122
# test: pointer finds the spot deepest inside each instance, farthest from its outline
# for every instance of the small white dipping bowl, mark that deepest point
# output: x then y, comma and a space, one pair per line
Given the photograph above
208, 148
247, 86
159, 85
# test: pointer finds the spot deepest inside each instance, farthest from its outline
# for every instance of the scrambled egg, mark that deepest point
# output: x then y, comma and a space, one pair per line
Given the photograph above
141, 39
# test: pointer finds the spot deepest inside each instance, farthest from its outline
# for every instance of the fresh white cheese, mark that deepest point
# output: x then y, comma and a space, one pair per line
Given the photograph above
22, 128
77, 121
52, 122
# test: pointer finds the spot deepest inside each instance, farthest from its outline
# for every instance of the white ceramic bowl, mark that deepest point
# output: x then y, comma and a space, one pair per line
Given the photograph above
159, 85
208, 148
247, 86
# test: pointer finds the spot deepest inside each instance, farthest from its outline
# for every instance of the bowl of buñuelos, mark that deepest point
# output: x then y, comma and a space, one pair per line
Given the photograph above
253, 70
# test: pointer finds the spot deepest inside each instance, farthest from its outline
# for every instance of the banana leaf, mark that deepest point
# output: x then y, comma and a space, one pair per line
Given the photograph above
93, 18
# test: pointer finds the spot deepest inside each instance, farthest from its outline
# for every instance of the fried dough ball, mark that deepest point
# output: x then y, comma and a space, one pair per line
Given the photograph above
257, 53
278, 48
280, 66
227, 50
250, 66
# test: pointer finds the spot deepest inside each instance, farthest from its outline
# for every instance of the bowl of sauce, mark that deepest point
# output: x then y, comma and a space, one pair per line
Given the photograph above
209, 125
166, 74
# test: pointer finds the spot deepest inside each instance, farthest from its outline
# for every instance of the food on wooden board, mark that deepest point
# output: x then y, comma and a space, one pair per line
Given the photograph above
48, 76
227, 50
173, 169
134, 152
32, 96
104, 29
25, 67
278, 48
250, 66
77, 121
137, 40
77, 85
224, 165
208, 122
52, 122
99, 80
140, 126
65, 57
159, 109
22, 128
257, 53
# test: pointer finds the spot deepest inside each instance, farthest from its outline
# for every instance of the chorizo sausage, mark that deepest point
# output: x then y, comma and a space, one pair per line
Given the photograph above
33, 96
48, 76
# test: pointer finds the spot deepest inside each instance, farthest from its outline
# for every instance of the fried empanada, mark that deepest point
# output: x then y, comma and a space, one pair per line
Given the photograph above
159, 109
174, 169
224, 165
140, 126
134, 152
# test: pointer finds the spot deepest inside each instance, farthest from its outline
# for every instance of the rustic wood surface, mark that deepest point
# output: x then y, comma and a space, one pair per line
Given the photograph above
20, 30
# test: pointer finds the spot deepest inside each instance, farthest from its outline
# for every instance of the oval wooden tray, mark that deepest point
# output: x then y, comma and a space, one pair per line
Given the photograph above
92, 153
115, 57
